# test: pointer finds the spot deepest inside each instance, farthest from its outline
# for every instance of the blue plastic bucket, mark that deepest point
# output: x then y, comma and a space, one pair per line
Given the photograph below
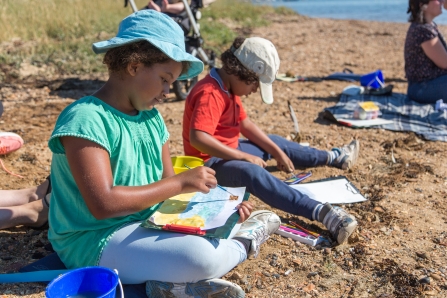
86, 282
373, 80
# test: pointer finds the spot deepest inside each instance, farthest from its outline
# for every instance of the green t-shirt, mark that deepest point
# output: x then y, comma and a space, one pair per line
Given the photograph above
134, 144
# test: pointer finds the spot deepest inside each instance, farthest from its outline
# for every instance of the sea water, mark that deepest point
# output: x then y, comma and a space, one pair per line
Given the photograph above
373, 10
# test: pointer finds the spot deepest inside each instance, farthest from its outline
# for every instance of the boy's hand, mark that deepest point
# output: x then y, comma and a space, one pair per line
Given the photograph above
255, 160
245, 209
284, 163
198, 179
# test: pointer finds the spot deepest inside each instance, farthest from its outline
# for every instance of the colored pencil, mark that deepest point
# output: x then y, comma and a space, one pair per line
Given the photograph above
305, 230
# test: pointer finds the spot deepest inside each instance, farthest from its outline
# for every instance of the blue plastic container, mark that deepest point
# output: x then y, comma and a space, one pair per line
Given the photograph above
373, 80
86, 282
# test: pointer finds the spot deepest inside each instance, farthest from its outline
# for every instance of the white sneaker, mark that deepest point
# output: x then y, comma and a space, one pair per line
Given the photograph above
340, 223
209, 288
258, 228
348, 155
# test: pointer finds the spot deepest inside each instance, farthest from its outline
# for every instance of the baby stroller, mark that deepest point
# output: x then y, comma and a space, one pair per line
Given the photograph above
187, 20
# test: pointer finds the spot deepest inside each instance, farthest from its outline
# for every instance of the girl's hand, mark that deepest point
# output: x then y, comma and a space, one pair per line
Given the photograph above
198, 179
254, 159
245, 209
284, 163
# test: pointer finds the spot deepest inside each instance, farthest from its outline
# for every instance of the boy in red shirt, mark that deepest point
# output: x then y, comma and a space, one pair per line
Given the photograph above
214, 118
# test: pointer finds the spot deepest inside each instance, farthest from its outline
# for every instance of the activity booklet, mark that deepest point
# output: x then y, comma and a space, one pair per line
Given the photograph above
336, 190
212, 214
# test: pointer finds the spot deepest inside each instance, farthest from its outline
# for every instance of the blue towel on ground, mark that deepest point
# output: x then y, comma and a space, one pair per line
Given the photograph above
407, 115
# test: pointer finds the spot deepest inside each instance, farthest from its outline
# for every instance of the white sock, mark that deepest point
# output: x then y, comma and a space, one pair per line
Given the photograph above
332, 155
316, 212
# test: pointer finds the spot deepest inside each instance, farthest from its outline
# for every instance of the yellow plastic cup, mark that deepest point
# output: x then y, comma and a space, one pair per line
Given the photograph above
179, 162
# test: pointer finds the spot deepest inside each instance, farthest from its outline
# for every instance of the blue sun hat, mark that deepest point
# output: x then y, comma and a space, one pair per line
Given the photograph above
158, 29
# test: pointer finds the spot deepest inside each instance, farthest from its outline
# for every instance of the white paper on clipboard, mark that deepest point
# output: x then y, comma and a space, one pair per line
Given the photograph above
338, 190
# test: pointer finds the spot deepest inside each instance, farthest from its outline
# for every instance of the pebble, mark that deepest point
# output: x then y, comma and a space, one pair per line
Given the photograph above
276, 275
266, 274
236, 275
435, 276
425, 280
312, 274
379, 209
422, 255
430, 293
288, 272
327, 251
248, 288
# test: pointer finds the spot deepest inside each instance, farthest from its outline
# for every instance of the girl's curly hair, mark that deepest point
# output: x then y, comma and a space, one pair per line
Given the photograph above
233, 66
144, 52
415, 11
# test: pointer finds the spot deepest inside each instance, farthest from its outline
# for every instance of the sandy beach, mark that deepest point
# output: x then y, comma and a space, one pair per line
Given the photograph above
401, 237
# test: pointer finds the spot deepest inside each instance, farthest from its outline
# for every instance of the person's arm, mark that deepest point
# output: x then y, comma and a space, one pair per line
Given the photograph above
174, 8
168, 169
152, 5
434, 50
91, 169
253, 133
206, 143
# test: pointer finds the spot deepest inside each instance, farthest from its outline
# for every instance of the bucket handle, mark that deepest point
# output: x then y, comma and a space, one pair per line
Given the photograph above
376, 78
119, 282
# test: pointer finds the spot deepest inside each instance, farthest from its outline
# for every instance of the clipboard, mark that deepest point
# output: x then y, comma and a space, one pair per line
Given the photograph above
336, 190
222, 232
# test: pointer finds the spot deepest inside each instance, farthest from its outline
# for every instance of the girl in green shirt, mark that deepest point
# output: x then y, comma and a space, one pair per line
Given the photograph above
111, 167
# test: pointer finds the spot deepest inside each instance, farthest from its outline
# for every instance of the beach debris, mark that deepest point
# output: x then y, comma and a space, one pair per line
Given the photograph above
290, 74
233, 198
296, 137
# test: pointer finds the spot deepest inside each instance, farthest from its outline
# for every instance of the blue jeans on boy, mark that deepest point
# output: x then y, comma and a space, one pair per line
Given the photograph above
262, 184
429, 91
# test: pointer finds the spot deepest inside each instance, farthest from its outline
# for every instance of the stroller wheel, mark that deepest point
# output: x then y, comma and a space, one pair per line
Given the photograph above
182, 88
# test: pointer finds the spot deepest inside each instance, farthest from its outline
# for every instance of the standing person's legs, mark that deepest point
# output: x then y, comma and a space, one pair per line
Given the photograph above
428, 92
262, 184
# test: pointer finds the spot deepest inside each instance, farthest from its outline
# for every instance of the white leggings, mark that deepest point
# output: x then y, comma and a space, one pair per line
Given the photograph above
141, 254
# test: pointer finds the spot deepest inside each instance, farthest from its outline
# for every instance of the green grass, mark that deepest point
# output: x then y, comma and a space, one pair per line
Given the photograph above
59, 33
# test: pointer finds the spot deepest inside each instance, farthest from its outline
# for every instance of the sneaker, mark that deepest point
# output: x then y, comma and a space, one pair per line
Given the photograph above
209, 288
258, 228
340, 223
348, 155
9, 142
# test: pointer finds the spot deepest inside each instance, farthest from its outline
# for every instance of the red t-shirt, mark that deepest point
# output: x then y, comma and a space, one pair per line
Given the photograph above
213, 110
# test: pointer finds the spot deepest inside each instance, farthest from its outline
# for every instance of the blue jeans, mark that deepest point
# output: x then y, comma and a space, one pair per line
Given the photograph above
262, 184
428, 91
